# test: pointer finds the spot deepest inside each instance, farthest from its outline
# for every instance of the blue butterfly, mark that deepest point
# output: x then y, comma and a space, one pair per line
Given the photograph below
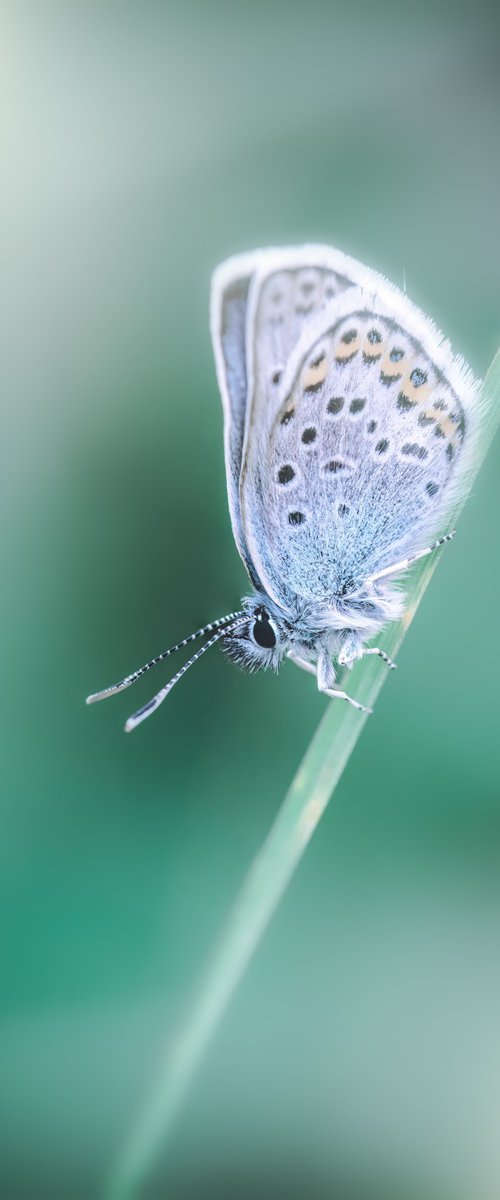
350, 431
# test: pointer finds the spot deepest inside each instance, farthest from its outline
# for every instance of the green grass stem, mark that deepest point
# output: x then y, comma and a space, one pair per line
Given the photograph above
268, 876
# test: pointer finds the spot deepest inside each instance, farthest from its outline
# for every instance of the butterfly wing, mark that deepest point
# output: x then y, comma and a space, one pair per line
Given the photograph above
228, 311
360, 458
349, 424
260, 304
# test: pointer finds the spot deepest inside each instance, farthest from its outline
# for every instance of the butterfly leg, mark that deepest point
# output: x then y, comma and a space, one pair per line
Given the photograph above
408, 562
301, 662
336, 694
326, 677
353, 649
382, 654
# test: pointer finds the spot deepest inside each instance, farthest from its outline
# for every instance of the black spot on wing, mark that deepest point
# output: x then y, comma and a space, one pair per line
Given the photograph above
335, 465
404, 403
286, 473
309, 435
413, 450
335, 405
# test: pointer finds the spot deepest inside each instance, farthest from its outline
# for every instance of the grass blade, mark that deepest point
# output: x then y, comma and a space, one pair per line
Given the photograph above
269, 874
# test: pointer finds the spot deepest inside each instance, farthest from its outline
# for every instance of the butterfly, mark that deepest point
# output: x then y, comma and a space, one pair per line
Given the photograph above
350, 431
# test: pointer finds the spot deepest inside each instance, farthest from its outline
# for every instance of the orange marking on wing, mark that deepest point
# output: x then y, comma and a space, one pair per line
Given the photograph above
417, 395
448, 427
373, 350
346, 350
390, 369
315, 374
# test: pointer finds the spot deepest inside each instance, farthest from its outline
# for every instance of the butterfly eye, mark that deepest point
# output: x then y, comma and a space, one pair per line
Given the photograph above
263, 633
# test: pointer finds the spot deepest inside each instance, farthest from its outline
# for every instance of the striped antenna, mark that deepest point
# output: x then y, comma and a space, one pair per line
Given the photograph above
125, 683
153, 704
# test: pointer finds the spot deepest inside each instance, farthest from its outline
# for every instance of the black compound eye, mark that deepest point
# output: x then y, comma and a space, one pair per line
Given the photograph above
263, 632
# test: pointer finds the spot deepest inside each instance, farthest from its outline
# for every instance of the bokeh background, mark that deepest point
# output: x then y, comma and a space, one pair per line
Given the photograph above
142, 143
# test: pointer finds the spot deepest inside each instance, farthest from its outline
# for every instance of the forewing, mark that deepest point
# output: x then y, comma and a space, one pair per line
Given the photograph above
229, 300
260, 304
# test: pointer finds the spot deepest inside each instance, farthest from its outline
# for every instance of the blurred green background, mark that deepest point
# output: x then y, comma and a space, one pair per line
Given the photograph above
142, 143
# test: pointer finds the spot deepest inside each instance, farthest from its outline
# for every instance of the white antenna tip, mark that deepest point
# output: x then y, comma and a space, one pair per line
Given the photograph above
109, 691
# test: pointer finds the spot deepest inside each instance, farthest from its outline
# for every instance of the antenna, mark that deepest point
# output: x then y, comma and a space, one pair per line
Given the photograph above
153, 704
125, 683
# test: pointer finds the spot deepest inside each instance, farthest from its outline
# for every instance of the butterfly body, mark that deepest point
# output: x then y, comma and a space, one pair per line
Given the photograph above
350, 430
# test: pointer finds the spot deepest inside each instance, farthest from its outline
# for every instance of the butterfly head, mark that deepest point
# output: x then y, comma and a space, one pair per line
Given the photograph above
263, 640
